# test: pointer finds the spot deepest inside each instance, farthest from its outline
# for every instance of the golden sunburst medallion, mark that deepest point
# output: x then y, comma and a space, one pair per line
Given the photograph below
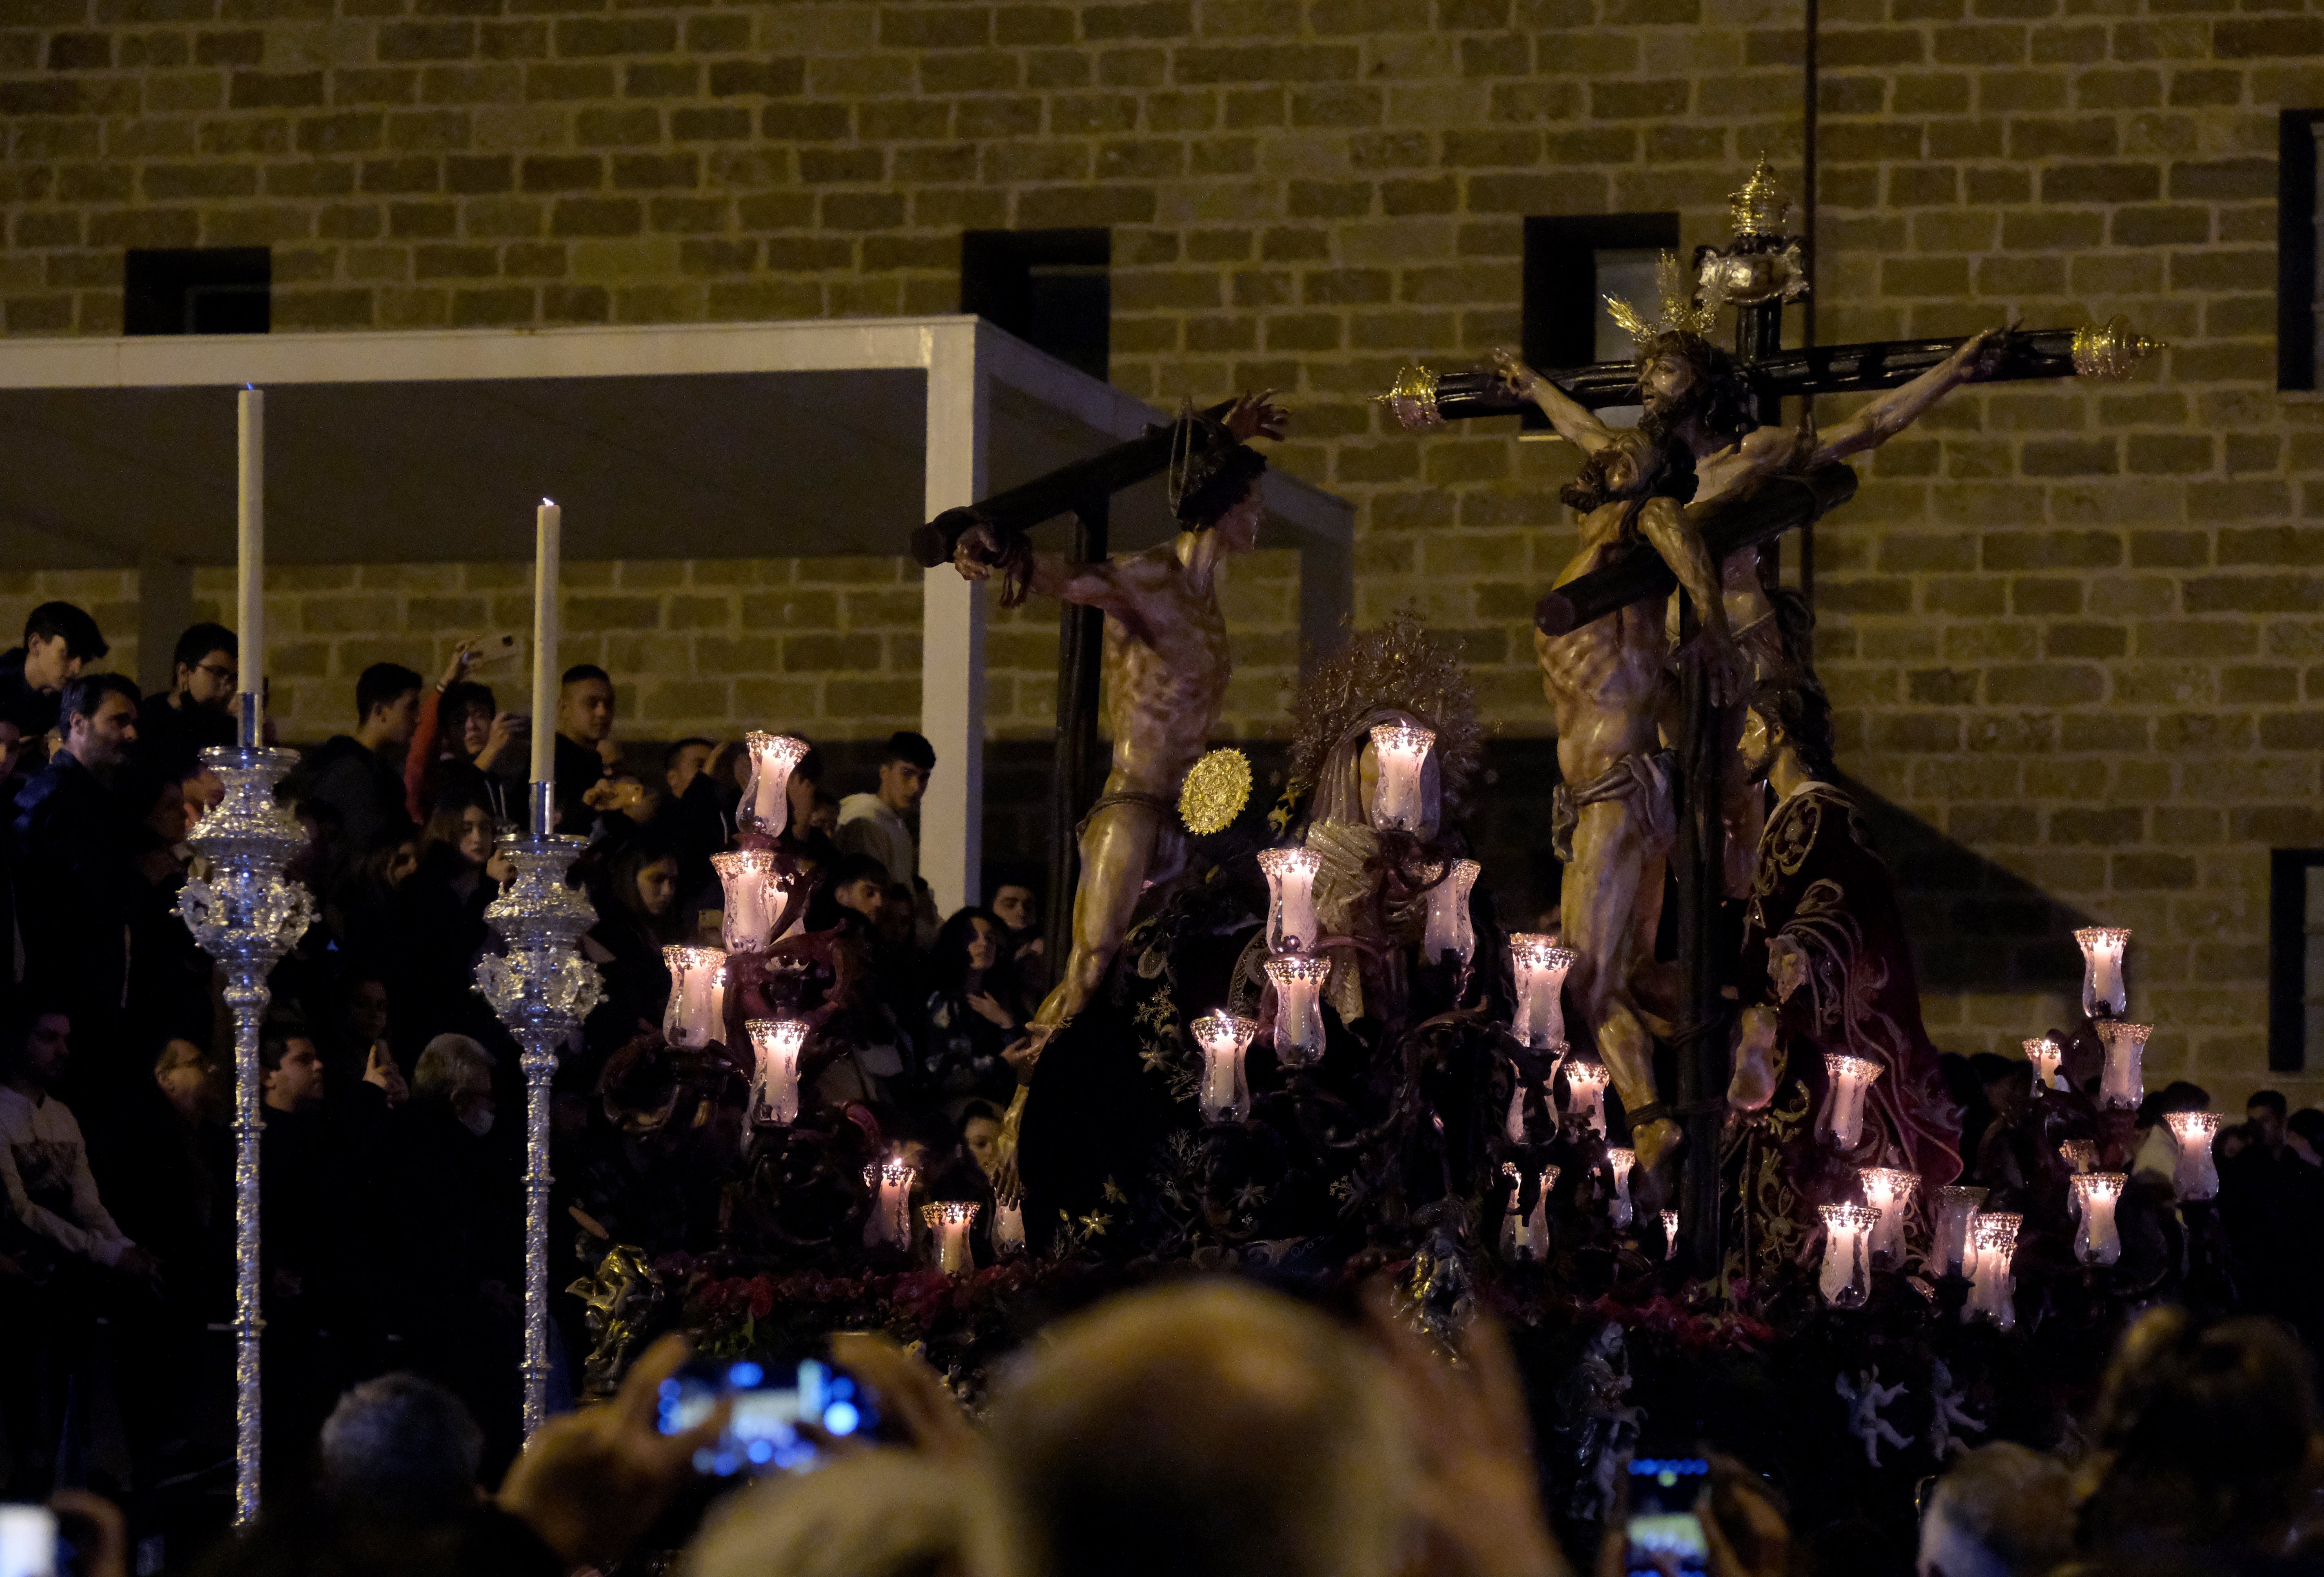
1216, 788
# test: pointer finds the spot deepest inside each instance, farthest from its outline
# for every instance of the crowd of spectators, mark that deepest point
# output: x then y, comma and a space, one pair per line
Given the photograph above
392, 1185
1267, 1437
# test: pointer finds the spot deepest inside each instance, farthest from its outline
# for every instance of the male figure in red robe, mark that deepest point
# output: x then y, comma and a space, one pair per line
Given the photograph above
1826, 968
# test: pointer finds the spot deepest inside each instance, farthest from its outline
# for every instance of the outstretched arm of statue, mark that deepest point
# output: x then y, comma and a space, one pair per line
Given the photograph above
1673, 536
1577, 424
982, 551
1257, 416
1880, 419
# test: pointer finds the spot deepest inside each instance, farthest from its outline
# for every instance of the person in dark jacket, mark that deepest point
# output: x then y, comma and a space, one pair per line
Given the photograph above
197, 711
361, 775
586, 751
74, 844
60, 641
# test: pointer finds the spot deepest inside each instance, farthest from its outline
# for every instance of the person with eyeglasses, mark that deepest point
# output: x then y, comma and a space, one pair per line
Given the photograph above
197, 711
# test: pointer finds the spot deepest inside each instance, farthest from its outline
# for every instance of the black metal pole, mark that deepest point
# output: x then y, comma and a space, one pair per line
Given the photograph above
1074, 777
1701, 1055
1810, 126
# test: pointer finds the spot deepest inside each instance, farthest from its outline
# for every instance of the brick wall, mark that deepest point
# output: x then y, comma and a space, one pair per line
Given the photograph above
2074, 631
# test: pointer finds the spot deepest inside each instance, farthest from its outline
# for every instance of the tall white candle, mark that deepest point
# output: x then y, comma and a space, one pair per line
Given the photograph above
249, 560
546, 544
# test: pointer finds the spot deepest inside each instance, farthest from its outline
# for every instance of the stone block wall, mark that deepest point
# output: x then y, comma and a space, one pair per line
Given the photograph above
2074, 631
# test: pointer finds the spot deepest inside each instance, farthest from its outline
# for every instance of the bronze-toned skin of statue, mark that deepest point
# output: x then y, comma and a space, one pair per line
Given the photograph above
1166, 669
1605, 681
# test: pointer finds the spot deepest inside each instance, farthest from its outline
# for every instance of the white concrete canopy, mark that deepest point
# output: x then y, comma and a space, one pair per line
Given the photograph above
691, 441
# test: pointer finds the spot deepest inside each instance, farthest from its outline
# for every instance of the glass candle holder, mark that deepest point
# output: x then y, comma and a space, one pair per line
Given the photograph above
2095, 1240
2080, 1156
1539, 966
1890, 1190
1845, 1279
2197, 1176
891, 1225
1957, 1206
1992, 1296
2122, 1084
1403, 750
1618, 1162
1450, 928
949, 1219
1843, 1109
755, 891
697, 1013
2104, 994
1585, 1087
1290, 875
1513, 1125
776, 1044
766, 807
2046, 1055
1524, 1233
1670, 1234
1008, 1228
1225, 1039
1298, 980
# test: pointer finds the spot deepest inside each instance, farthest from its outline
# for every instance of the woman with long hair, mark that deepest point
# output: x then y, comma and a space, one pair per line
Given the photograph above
635, 888
438, 917
974, 1013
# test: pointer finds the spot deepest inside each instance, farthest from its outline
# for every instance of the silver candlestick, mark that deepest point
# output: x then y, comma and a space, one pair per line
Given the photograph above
245, 915
541, 987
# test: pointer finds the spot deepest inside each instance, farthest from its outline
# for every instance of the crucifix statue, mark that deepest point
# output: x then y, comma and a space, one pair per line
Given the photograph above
1751, 480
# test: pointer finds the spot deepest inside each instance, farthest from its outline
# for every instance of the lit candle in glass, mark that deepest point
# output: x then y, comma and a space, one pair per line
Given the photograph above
1403, 751
1957, 1206
891, 1207
1224, 1038
2104, 994
754, 897
1450, 929
776, 1044
2197, 1176
1845, 1279
1843, 1110
1994, 1237
2080, 1156
766, 807
1009, 1229
697, 1013
1585, 1084
1618, 1162
1539, 966
1514, 1123
1290, 898
2095, 1240
1524, 1233
1670, 1234
1298, 978
1890, 1190
2123, 1083
2046, 1055
949, 1219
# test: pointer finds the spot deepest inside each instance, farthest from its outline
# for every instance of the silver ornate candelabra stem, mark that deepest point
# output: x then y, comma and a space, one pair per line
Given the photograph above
245, 915
541, 987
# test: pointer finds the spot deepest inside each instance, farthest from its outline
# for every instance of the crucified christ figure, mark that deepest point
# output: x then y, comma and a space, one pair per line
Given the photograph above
1614, 824
1165, 671
1695, 395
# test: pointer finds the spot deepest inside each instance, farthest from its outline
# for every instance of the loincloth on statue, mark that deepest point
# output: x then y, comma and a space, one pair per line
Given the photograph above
1641, 780
1159, 805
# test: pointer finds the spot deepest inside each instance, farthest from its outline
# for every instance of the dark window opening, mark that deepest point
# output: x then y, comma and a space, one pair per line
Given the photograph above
197, 290
1570, 265
1049, 288
2295, 960
2298, 289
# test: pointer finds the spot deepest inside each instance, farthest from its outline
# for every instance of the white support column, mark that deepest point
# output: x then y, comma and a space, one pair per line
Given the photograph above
952, 626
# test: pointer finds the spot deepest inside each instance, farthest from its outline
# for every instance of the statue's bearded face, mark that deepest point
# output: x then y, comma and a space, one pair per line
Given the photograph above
1667, 389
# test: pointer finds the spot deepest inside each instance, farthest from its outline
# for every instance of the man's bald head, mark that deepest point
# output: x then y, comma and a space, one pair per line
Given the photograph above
1209, 1429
